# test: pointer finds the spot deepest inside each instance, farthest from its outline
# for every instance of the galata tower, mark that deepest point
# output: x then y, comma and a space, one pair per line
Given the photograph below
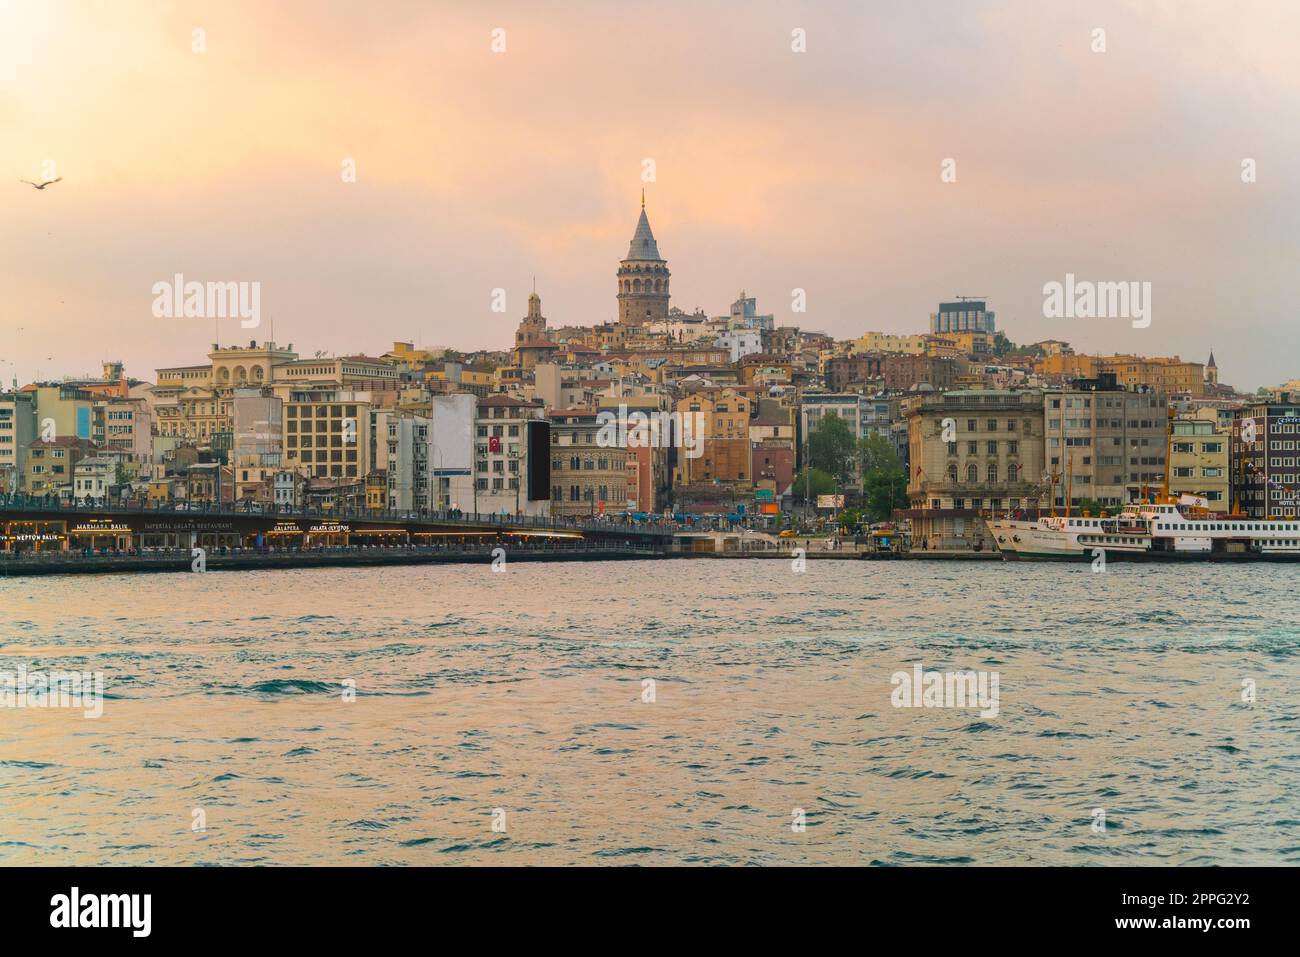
642, 278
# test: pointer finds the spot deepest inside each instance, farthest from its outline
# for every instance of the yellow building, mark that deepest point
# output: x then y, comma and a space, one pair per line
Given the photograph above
723, 414
945, 346
973, 342
884, 342
1067, 365
327, 433
1167, 375
1198, 458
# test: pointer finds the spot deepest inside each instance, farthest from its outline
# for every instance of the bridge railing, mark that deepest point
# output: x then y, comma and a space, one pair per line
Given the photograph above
28, 503
184, 554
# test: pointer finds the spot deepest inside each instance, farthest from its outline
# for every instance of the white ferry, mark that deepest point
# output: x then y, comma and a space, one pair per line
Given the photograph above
1185, 529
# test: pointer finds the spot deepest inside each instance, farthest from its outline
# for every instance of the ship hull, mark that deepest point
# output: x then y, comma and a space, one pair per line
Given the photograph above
1030, 541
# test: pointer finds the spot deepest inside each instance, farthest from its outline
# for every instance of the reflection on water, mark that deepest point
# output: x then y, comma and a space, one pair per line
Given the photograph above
524, 691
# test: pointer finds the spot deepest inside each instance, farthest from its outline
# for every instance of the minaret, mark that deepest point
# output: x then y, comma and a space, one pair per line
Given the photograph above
642, 278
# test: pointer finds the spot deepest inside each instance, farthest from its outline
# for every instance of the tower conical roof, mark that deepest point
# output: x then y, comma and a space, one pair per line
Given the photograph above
1211, 364
643, 240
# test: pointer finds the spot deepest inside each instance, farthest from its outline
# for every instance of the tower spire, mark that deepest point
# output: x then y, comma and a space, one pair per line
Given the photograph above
643, 197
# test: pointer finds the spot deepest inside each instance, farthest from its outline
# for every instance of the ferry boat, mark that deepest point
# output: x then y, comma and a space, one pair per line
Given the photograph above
1169, 531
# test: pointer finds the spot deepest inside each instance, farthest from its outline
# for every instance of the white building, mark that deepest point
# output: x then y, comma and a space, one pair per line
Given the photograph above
740, 342
92, 477
451, 451
402, 452
287, 487
501, 457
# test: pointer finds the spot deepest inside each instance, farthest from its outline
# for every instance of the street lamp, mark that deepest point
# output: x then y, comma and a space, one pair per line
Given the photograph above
514, 457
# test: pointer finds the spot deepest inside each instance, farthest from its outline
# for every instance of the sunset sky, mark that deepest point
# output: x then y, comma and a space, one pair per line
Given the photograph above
775, 170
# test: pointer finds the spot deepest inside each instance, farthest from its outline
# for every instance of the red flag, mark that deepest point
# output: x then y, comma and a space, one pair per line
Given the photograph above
494, 444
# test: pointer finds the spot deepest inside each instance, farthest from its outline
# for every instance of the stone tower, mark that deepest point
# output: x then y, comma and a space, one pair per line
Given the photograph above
532, 341
642, 278
1212, 371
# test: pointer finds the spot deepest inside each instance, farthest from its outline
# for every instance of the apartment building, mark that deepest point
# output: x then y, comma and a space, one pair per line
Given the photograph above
402, 455
193, 414
863, 414
1198, 458
327, 433
886, 342
64, 410
968, 452
726, 456
51, 465
93, 476
1265, 454
1166, 375
501, 456
587, 477
965, 315
1105, 442
17, 432
128, 427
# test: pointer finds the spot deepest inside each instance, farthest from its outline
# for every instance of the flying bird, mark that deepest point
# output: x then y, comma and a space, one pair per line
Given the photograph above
41, 185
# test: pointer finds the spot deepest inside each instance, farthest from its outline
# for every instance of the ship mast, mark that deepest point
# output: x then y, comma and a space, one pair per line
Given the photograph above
1065, 491
1169, 451
1069, 463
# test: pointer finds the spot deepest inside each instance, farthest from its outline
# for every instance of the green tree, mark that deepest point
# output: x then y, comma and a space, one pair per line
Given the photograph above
1002, 346
831, 446
884, 483
810, 483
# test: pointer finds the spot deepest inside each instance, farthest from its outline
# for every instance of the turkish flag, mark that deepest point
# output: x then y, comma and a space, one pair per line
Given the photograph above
494, 444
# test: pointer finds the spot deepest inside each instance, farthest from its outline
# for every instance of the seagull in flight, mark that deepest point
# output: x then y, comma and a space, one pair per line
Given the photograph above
41, 185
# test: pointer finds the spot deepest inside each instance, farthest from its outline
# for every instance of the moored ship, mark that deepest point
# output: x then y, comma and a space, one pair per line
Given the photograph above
1169, 531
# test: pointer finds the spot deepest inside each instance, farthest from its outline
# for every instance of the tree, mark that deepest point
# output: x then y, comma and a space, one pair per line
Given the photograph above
831, 446
884, 483
810, 483
1002, 346
851, 518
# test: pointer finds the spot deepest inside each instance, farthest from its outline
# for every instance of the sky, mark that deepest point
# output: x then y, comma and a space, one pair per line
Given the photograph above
774, 170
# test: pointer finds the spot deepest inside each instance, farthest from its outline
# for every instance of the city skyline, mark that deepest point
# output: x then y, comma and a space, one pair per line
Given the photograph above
913, 383
1123, 165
